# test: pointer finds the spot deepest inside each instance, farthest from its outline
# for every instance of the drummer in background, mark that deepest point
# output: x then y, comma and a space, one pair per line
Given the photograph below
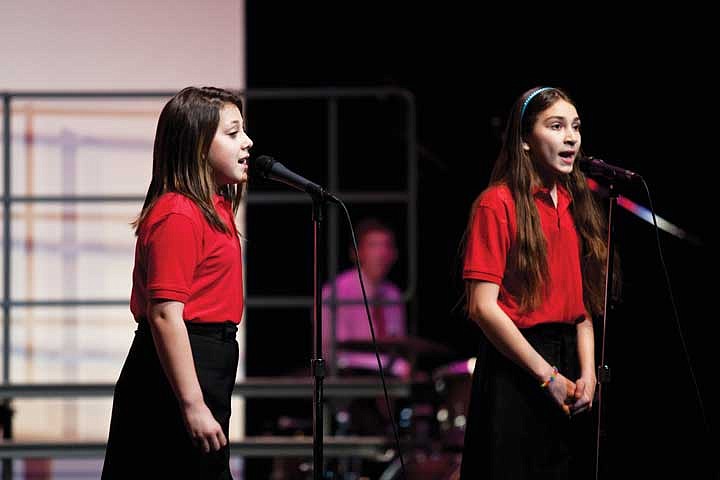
377, 254
344, 318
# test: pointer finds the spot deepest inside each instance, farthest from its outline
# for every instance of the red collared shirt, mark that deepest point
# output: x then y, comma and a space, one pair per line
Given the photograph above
180, 257
492, 235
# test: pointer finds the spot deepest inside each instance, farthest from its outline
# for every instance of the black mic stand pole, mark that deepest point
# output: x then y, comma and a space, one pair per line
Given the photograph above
603, 373
317, 364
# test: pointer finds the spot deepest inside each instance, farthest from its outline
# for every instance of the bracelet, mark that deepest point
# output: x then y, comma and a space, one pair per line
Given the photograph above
550, 379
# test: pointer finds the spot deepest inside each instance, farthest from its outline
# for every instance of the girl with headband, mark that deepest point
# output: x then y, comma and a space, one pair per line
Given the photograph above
534, 264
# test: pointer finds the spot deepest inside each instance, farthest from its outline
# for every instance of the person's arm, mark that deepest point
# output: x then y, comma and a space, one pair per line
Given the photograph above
585, 385
509, 341
173, 347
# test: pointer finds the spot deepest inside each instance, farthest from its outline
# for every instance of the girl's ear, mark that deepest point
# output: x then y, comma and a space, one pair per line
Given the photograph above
526, 147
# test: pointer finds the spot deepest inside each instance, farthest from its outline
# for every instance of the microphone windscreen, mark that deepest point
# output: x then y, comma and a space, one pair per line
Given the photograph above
262, 165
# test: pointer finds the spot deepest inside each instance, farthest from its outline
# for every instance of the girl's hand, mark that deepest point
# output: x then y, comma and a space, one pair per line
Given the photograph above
562, 390
205, 432
583, 396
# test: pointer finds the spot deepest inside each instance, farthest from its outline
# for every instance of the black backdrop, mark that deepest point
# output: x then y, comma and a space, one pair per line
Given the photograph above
647, 98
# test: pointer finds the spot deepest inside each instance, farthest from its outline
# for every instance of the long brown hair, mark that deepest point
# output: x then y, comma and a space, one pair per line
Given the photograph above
515, 168
185, 131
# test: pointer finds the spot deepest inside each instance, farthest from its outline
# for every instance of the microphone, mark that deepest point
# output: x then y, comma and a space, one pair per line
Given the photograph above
267, 167
595, 166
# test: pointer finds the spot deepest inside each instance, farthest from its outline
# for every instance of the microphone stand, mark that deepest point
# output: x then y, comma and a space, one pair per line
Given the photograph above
269, 168
317, 364
603, 370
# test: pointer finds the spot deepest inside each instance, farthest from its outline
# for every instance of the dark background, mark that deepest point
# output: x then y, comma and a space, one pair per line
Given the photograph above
647, 97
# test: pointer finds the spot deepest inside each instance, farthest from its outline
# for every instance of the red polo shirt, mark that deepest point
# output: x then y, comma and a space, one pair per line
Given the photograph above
492, 235
179, 256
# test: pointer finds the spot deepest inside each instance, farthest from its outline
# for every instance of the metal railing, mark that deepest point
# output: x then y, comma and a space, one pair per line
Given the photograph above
259, 387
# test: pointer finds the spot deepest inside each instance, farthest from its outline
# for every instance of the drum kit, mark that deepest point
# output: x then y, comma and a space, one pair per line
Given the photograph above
431, 422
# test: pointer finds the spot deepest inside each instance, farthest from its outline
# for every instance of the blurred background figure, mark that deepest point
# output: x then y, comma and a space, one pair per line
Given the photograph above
345, 320
344, 315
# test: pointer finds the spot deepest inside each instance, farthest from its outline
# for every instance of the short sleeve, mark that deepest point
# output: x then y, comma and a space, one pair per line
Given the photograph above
173, 249
488, 243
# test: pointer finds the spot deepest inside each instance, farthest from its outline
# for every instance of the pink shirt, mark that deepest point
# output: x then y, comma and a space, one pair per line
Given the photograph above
351, 319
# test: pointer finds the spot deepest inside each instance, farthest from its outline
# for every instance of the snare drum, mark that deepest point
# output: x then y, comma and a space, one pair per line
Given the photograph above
453, 383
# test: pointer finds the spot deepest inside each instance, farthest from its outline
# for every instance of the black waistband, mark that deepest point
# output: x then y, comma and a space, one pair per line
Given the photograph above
218, 330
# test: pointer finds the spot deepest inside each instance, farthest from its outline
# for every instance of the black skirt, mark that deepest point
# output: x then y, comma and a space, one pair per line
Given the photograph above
147, 436
515, 430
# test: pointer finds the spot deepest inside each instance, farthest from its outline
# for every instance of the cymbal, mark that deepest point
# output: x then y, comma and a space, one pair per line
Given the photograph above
398, 345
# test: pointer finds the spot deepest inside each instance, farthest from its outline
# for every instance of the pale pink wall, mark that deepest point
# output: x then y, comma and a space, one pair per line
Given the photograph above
92, 146
121, 44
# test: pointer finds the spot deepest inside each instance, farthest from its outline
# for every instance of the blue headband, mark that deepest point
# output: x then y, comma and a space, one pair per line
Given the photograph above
530, 97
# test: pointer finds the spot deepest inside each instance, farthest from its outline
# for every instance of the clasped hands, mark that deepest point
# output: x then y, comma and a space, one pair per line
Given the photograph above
573, 397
